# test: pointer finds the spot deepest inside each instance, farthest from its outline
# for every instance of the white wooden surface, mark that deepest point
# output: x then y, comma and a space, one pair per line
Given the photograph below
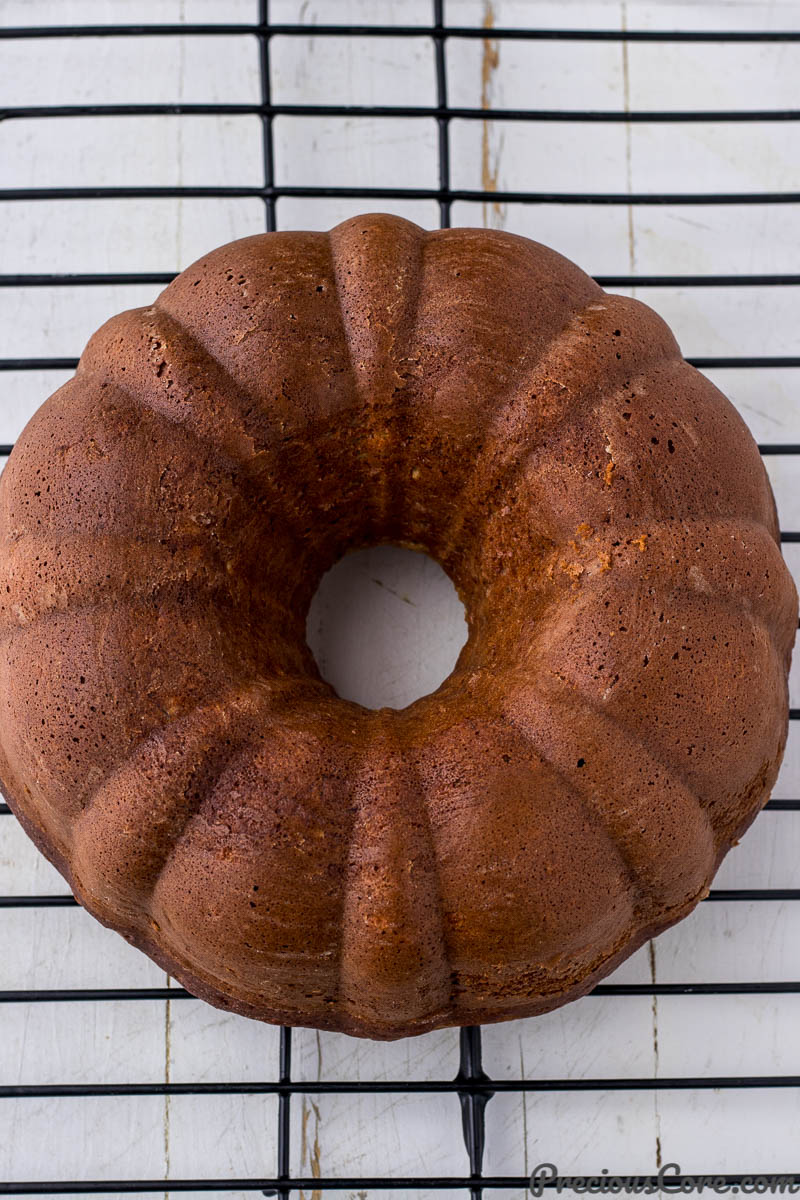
185, 1040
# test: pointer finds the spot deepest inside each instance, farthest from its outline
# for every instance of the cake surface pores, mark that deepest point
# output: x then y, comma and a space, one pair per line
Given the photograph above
615, 720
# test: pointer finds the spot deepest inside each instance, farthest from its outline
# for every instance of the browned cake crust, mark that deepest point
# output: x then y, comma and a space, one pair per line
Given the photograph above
614, 722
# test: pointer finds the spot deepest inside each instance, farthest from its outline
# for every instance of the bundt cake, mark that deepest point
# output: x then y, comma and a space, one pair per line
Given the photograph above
614, 722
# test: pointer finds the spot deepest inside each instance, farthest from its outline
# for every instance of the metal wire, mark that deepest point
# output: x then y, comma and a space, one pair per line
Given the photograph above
198, 29
271, 1186
441, 112
441, 194
471, 1084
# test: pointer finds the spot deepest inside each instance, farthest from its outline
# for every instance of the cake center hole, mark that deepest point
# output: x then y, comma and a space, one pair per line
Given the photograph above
385, 626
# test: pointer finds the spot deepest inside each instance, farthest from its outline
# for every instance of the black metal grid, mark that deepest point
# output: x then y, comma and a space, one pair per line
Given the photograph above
471, 1084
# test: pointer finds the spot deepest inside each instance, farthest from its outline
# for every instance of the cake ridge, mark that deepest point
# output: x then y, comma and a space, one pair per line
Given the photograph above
254, 467
507, 467
175, 568
645, 534
239, 448
170, 750
373, 275
642, 894
450, 361
632, 841
400, 836
231, 387
174, 304
612, 721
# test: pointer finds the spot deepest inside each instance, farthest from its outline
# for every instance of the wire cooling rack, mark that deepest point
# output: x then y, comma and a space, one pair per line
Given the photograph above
473, 1087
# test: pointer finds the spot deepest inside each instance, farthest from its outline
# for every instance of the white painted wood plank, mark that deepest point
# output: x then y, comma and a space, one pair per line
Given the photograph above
766, 856
768, 400
707, 158
782, 470
23, 870
127, 12
51, 948
716, 76
90, 1138
211, 1046
352, 12
597, 1037
541, 157
720, 321
334, 1056
636, 14
670, 239
355, 152
531, 74
788, 783
299, 212
575, 14
130, 70
188, 1040
732, 941
23, 392
385, 1134
164, 151
82, 1042
38, 322
353, 70
712, 14
748, 1131
120, 235
573, 75
580, 1132
730, 1035
221, 1137
697, 239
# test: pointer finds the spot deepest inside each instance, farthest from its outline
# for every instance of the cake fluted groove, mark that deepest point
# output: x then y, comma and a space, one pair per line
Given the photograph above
508, 455
205, 395
126, 844
650, 816
485, 300
120, 565
653, 670
269, 835
244, 698
636, 552
255, 476
611, 721
158, 329
530, 881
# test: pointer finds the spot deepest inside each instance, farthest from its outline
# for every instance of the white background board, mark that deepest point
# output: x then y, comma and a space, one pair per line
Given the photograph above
184, 1040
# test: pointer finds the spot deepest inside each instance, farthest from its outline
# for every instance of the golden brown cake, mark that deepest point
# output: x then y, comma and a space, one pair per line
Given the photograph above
614, 722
